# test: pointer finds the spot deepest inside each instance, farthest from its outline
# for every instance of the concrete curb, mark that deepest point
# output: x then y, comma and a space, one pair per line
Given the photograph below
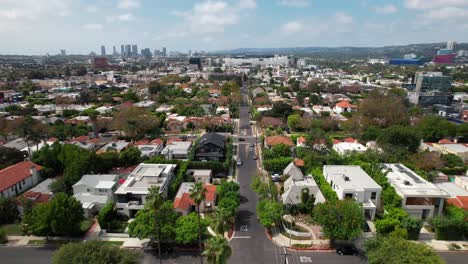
298, 249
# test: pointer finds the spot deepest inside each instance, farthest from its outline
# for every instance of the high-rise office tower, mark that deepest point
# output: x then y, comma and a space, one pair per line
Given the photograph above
63, 52
134, 50
164, 52
128, 50
122, 50
103, 50
114, 53
450, 45
146, 53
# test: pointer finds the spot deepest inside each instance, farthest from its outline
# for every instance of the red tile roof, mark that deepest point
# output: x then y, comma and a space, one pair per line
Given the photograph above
184, 202
81, 138
459, 201
15, 173
299, 162
142, 142
345, 104
157, 141
301, 140
210, 195
445, 141
35, 197
349, 140
276, 140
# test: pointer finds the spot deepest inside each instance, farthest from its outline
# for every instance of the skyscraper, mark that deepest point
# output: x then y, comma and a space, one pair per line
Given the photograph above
450, 45
164, 52
134, 50
122, 50
128, 50
63, 52
115, 51
103, 50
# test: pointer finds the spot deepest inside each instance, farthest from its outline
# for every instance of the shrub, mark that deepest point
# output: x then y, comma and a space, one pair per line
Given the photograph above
325, 188
3, 236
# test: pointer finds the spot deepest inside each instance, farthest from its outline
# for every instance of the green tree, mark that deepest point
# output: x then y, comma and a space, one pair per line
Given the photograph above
294, 121
10, 156
3, 236
107, 215
62, 216
94, 251
129, 156
222, 220
269, 212
341, 219
187, 229
399, 139
434, 128
307, 202
397, 250
198, 194
93, 115
131, 96
8, 211
217, 250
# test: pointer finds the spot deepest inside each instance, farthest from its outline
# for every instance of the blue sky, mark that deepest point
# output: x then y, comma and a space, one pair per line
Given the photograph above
81, 26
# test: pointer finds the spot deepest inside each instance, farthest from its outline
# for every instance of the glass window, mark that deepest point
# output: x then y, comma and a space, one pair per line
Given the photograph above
373, 195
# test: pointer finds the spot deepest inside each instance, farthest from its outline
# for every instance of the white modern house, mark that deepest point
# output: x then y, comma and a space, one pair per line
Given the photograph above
95, 191
352, 182
348, 146
131, 195
150, 150
177, 150
420, 198
297, 182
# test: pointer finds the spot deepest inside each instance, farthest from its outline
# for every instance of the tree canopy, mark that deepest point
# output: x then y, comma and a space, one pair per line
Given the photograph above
187, 229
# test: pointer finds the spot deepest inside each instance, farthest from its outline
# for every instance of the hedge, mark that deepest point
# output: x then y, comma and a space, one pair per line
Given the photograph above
325, 188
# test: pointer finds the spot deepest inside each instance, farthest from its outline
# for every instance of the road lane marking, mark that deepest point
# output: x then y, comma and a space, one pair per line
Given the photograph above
242, 237
305, 259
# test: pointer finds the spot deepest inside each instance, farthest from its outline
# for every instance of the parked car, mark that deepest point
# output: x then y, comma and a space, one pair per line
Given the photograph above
346, 250
239, 162
241, 139
255, 157
251, 145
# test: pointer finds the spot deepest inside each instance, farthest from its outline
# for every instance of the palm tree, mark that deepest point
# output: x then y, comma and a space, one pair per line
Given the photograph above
93, 115
222, 221
198, 195
154, 200
217, 250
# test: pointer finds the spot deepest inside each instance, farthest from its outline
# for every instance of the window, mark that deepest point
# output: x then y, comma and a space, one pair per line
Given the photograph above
24, 181
348, 195
373, 195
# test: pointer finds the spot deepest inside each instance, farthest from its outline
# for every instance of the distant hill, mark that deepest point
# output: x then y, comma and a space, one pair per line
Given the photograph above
422, 50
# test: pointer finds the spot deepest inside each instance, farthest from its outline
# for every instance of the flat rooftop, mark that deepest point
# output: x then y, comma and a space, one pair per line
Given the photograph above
350, 177
407, 183
145, 176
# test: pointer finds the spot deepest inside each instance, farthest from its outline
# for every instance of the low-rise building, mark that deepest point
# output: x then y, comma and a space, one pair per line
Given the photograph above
113, 146
177, 150
18, 178
131, 195
276, 140
211, 146
348, 146
94, 192
420, 198
150, 150
184, 205
296, 183
352, 182
203, 176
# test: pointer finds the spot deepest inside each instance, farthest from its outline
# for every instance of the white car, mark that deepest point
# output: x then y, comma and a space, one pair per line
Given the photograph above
239, 162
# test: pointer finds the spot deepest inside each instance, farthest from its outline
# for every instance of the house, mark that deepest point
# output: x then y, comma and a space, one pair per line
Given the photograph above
462, 181
352, 182
114, 146
276, 140
203, 176
177, 150
211, 146
344, 107
348, 146
458, 196
273, 122
150, 150
95, 191
131, 195
18, 178
39, 194
296, 183
301, 142
184, 205
445, 146
420, 198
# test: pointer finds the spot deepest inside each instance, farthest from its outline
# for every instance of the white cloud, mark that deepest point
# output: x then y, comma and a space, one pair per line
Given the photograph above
343, 18
247, 4
386, 9
33, 9
93, 26
128, 4
92, 9
122, 18
214, 16
294, 3
429, 4
292, 27
447, 13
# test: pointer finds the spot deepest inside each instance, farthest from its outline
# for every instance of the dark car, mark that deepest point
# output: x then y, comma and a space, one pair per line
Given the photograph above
251, 145
346, 250
241, 139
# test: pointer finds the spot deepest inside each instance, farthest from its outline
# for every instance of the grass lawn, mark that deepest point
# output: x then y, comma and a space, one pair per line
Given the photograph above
113, 243
86, 225
13, 229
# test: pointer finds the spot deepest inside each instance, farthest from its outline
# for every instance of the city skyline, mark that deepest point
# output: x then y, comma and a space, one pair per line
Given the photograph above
83, 26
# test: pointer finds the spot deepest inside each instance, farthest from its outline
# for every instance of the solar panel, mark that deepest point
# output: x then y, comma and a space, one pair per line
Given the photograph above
412, 176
